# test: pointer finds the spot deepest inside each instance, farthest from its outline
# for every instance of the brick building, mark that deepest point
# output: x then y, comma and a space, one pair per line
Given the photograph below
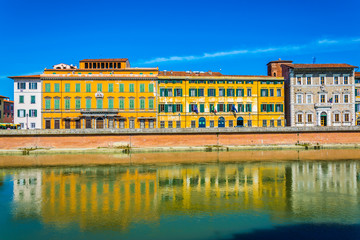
6, 110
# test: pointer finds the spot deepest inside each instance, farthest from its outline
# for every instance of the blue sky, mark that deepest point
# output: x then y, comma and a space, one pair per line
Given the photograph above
238, 37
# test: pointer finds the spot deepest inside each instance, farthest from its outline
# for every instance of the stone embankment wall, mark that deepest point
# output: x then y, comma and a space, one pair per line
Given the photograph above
177, 138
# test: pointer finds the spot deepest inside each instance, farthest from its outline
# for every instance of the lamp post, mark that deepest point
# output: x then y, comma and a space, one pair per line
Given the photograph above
249, 120
180, 119
27, 121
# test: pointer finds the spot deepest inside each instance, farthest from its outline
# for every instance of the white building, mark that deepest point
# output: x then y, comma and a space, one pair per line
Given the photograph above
27, 101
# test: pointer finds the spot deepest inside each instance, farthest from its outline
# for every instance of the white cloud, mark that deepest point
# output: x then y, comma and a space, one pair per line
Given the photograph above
286, 48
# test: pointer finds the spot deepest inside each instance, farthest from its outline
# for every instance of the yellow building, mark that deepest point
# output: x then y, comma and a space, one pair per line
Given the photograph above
211, 99
101, 93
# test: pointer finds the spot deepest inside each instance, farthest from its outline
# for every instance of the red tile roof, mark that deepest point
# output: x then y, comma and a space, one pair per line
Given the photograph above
357, 74
105, 60
326, 65
26, 76
3, 96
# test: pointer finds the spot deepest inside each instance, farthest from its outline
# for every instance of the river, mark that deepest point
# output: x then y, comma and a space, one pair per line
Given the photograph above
200, 195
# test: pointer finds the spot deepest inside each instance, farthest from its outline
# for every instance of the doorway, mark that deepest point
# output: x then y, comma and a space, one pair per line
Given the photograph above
99, 123
221, 122
202, 122
323, 119
240, 122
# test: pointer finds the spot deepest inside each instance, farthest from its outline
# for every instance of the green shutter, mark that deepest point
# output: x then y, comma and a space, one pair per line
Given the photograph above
181, 92
208, 92
77, 103
165, 92
181, 107
56, 87
110, 87
67, 104
110, 103
218, 107
131, 87
88, 87
47, 104
47, 87
99, 87
189, 92
174, 108
121, 87
282, 107
159, 107
57, 103
67, 87
196, 92
99, 103
77, 87
151, 87
121, 103
35, 113
151, 104
166, 108
202, 108
228, 107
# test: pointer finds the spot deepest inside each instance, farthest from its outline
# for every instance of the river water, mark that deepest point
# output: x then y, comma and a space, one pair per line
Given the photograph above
230, 195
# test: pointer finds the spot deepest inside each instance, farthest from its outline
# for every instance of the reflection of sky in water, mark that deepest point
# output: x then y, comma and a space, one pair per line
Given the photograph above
203, 201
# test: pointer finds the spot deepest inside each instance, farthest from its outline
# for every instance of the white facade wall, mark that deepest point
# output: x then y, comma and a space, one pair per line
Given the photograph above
24, 110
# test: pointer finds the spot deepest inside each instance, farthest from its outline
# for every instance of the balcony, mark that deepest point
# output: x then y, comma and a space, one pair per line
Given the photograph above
99, 112
323, 105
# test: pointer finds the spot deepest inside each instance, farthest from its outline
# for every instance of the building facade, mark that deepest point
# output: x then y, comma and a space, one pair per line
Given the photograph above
8, 111
27, 101
101, 93
357, 97
211, 99
317, 94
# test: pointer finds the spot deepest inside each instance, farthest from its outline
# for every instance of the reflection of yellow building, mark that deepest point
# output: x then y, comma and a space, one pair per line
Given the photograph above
84, 196
199, 99
102, 93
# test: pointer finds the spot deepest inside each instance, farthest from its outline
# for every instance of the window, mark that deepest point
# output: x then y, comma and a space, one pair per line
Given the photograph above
33, 85
77, 123
21, 113
170, 124
110, 103
322, 80
57, 124
193, 124
212, 124
178, 107
240, 92
271, 92
32, 100
131, 103
21, 99
308, 98
308, 80
346, 98
178, 124
77, 104
337, 117
56, 87
169, 108
249, 92
248, 107
298, 98
88, 87
264, 123
110, 87
57, 104
121, 104
151, 87
272, 123
346, 117
142, 123
161, 107
357, 107
230, 92
33, 125
88, 103
279, 108
99, 103
221, 92
142, 87
221, 107
264, 93
201, 92
47, 124
131, 87
151, 103
336, 80
169, 92
77, 87
162, 124
249, 123
88, 123
231, 123
309, 118
142, 104
121, 87
21, 85
336, 98
99, 87
178, 92
298, 81
121, 123
32, 113
47, 104
67, 87
67, 104
299, 118
322, 98
346, 80
192, 92
279, 123
241, 107
47, 87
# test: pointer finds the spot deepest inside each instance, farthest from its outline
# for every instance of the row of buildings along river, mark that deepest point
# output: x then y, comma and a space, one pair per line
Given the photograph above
108, 93
118, 196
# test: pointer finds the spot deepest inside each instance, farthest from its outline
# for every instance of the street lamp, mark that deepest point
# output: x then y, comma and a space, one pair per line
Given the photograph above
27, 121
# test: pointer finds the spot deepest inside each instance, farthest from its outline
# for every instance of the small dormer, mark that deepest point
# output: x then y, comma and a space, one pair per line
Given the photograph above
64, 66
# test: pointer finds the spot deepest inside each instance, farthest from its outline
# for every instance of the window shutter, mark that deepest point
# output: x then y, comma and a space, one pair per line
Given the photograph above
165, 92
181, 107
218, 108
228, 107
180, 92
208, 92
196, 92
174, 108
189, 92
159, 107
282, 108
202, 108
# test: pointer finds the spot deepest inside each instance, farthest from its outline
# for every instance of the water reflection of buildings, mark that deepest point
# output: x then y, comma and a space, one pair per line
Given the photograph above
115, 197
27, 193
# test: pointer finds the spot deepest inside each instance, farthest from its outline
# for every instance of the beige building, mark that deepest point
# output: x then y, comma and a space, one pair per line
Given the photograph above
317, 94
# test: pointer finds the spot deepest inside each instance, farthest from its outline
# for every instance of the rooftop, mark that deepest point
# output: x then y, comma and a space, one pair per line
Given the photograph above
105, 60
209, 74
25, 76
321, 65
